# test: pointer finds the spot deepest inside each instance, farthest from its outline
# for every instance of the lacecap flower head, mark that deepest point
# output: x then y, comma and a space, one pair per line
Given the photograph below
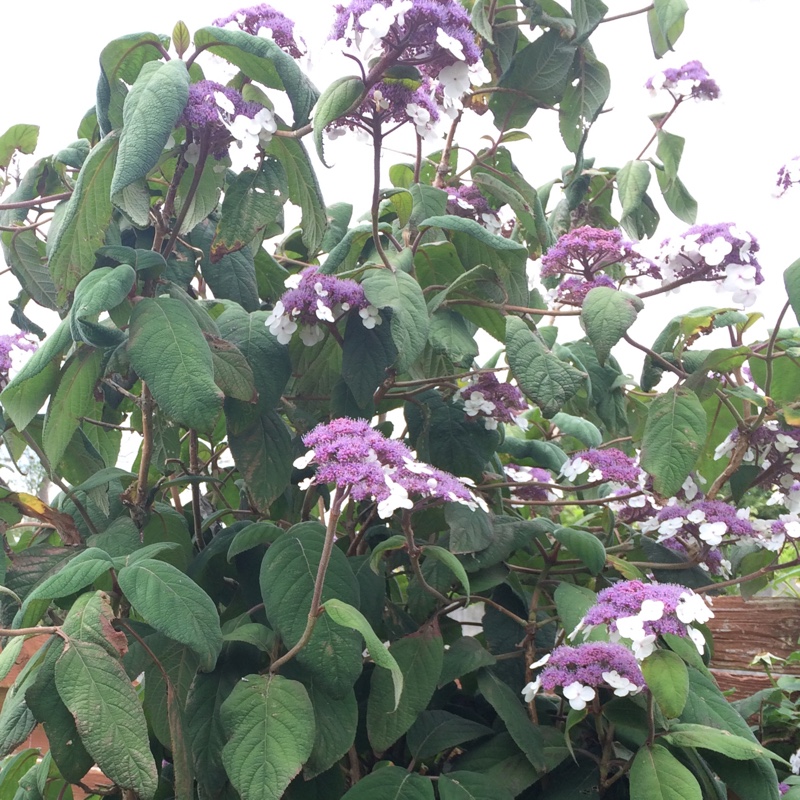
492, 401
350, 454
314, 298
9, 343
260, 18
690, 80
708, 521
608, 464
640, 612
580, 671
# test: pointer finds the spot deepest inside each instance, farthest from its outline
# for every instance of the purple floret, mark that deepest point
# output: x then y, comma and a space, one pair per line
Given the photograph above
253, 20
690, 80
9, 343
586, 664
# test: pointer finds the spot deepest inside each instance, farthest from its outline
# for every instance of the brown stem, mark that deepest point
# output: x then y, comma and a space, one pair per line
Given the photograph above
147, 406
49, 630
316, 599
628, 14
187, 201
194, 469
37, 201
376, 190
444, 162
759, 573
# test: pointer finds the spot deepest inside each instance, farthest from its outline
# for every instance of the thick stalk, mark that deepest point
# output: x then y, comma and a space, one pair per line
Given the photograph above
377, 140
316, 600
147, 446
194, 469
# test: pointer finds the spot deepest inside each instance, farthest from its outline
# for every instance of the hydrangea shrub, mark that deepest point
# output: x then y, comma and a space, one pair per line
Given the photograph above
388, 530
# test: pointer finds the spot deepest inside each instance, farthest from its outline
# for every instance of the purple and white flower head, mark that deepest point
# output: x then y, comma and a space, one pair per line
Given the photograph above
580, 671
313, 298
350, 454
690, 80
794, 763
220, 113
10, 342
773, 533
488, 399
469, 202
429, 34
769, 447
255, 19
708, 521
533, 483
788, 176
640, 612
608, 464
722, 253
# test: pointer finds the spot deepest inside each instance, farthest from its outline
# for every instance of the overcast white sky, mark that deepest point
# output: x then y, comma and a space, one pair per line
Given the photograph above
734, 145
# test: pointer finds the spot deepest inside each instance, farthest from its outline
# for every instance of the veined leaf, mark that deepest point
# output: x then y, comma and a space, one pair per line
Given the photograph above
657, 775
606, 315
392, 783
343, 95
668, 679
270, 725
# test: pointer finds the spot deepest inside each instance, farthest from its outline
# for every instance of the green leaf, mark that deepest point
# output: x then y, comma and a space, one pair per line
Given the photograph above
253, 200
81, 571
427, 201
791, 280
101, 290
152, 107
583, 98
657, 775
665, 21
252, 536
349, 617
720, 741
336, 720
268, 358
263, 61
584, 546
435, 731
32, 385
304, 189
420, 659
15, 768
537, 77
409, 318
174, 605
181, 38
464, 655
581, 429
269, 721
673, 439
366, 355
748, 778
73, 399
632, 182
587, 15
464, 785
108, 715
288, 574
606, 315
572, 603
232, 373
205, 197
391, 783
261, 447
667, 678
18, 137
470, 529
544, 378
677, 198
509, 707
26, 257
167, 349
452, 335
343, 95
87, 216
450, 561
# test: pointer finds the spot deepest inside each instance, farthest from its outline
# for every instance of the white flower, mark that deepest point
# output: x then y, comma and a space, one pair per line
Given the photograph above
689, 488
578, 695
715, 252
631, 628
692, 608
454, 80
293, 281
370, 317
303, 461
644, 647
530, 690
712, 532
571, 469
476, 403
399, 8
541, 662
651, 610
621, 685
697, 516
335, 132
669, 527
323, 312
794, 762
255, 131
377, 20
697, 638
311, 335
224, 103
479, 75
398, 498
450, 44
280, 324
723, 448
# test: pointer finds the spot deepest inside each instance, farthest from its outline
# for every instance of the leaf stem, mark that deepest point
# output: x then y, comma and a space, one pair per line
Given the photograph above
194, 469
37, 201
147, 447
339, 497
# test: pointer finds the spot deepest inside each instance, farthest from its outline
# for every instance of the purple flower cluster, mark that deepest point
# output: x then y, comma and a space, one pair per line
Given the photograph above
313, 298
533, 483
390, 101
469, 202
708, 521
208, 113
253, 20
783, 788
721, 253
585, 251
773, 449
349, 453
573, 290
640, 612
788, 176
8, 343
429, 34
580, 670
690, 80
608, 464
492, 401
